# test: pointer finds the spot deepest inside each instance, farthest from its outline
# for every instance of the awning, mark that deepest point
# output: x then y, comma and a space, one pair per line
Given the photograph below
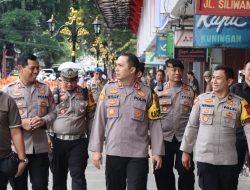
121, 13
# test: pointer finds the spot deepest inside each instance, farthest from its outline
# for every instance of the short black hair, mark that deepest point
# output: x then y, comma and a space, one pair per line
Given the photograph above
190, 73
174, 63
228, 71
142, 67
133, 60
23, 59
161, 71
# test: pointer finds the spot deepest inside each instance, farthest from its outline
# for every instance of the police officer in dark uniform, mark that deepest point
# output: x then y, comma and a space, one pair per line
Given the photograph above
72, 124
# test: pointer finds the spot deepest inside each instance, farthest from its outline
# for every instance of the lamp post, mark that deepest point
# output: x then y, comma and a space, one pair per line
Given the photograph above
72, 29
97, 30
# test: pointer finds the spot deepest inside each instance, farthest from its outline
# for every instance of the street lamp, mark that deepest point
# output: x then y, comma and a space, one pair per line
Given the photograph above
72, 29
97, 30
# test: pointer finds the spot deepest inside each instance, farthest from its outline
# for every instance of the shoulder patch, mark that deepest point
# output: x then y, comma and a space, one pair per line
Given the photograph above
245, 113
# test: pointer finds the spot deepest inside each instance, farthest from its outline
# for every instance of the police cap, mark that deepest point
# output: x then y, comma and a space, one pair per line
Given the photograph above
174, 63
69, 74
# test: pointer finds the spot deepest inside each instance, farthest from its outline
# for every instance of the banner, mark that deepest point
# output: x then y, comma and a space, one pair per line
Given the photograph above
151, 59
223, 7
170, 44
160, 50
221, 31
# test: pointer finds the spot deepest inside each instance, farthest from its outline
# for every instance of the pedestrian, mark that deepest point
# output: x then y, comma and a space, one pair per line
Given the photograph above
193, 82
176, 100
72, 118
159, 79
34, 101
242, 90
208, 77
212, 130
125, 115
95, 85
10, 130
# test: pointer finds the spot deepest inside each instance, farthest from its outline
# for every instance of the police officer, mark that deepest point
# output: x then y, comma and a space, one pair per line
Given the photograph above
95, 85
176, 100
242, 90
34, 100
10, 130
213, 122
72, 123
124, 115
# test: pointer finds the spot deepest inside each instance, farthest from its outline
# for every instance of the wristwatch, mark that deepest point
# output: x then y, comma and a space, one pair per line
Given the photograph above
25, 161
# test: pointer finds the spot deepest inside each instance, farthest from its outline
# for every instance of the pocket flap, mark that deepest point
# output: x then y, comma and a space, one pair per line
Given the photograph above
140, 105
229, 114
186, 102
207, 111
165, 101
113, 102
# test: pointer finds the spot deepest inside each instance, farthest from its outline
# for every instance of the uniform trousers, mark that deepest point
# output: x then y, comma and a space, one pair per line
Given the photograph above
126, 171
69, 155
216, 177
241, 147
3, 181
165, 178
38, 170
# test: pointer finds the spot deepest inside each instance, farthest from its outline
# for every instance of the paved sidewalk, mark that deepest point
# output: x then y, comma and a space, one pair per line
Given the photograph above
96, 179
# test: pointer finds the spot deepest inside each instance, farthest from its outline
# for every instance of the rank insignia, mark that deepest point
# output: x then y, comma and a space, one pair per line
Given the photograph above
42, 91
113, 91
120, 84
141, 93
136, 85
230, 97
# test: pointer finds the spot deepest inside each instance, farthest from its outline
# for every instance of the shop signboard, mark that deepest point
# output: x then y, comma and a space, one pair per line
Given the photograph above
189, 55
223, 7
183, 38
160, 49
153, 60
221, 31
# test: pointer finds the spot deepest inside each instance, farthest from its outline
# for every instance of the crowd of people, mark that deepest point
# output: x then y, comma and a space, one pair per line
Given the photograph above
166, 120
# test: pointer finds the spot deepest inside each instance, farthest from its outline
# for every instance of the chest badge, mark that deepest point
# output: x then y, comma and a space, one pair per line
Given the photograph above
231, 103
113, 91
112, 101
42, 91
16, 93
111, 111
141, 93
209, 100
205, 118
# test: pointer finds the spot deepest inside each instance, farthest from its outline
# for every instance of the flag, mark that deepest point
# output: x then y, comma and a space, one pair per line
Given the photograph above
4, 64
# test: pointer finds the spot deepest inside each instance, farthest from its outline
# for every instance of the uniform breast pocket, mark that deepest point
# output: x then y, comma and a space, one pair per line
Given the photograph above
80, 107
62, 108
165, 104
23, 109
229, 118
138, 112
186, 105
43, 107
206, 116
112, 108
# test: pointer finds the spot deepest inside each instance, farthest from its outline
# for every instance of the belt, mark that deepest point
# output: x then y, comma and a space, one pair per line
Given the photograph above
70, 137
